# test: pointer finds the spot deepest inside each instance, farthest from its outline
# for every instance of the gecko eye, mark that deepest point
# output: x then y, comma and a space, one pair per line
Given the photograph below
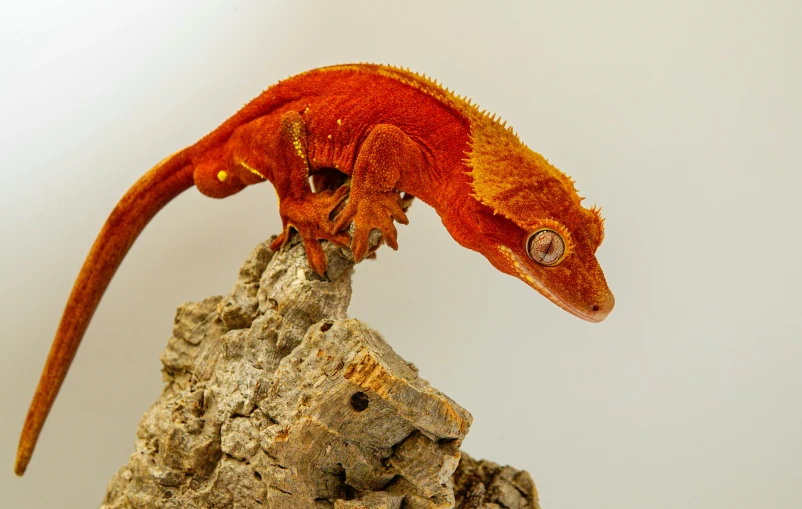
546, 247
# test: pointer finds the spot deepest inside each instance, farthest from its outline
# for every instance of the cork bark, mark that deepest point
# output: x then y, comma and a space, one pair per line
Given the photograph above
274, 398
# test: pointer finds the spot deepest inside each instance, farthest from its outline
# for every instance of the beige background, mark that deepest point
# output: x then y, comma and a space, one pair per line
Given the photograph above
682, 118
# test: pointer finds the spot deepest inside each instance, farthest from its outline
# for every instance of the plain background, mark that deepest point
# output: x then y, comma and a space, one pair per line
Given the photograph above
682, 118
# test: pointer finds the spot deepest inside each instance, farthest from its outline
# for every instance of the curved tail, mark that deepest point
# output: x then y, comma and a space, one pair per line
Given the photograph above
150, 194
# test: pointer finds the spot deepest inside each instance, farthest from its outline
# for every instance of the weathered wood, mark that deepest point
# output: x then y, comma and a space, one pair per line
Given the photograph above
275, 399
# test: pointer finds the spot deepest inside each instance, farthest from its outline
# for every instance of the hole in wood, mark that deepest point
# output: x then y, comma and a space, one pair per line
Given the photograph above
360, 401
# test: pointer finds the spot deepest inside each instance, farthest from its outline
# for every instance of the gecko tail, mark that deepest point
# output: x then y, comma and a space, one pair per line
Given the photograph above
137, 207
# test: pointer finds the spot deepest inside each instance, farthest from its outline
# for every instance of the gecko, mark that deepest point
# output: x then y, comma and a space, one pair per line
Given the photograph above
346, 148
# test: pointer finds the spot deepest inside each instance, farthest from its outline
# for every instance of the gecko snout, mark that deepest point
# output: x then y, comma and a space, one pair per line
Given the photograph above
601, 308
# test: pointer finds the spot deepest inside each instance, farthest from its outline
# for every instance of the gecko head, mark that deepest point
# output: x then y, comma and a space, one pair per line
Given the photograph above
555, 257
528, 221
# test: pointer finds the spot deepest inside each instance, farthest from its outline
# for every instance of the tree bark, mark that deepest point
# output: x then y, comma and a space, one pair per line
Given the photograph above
275, 399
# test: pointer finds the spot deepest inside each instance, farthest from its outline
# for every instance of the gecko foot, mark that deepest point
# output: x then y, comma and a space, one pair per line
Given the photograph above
309, 216
376, 210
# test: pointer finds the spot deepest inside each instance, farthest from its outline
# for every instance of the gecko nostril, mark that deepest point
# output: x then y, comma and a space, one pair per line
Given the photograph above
595, 307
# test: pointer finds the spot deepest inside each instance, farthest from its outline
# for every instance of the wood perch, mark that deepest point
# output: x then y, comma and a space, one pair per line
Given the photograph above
275, 399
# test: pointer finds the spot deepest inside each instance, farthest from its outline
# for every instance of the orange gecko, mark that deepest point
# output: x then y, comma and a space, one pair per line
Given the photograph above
368, 133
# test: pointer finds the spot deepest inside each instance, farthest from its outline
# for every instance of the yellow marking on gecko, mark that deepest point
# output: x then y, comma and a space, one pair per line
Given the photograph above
299, 148
252, 170
339, 121
297, 143
222, 176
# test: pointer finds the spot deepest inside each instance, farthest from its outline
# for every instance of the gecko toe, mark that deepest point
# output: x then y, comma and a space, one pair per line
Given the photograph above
315, 255
359, 245
344, 219
397, 213
390, 236
281, 240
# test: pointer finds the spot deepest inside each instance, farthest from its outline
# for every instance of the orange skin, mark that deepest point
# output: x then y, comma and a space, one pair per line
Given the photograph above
389, 131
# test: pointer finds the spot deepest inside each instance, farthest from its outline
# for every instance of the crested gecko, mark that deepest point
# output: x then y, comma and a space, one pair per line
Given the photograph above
366, 133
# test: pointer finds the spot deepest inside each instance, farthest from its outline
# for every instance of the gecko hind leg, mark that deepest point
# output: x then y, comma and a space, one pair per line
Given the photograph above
309, 216
301, 209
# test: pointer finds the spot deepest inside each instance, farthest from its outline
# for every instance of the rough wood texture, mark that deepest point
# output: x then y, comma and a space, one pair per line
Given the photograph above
274, 399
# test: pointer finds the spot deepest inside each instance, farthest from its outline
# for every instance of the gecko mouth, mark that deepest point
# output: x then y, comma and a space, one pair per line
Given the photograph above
535, 283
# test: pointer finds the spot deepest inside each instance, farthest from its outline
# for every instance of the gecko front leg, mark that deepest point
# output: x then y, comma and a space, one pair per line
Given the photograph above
375, 202
300, 208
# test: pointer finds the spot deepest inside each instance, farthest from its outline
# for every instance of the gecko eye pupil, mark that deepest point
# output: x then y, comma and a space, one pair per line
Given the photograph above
546, 247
